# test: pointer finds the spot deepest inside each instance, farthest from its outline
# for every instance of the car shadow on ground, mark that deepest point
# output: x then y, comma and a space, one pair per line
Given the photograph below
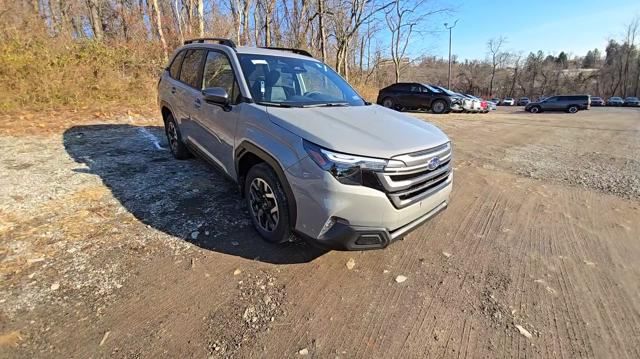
186, 199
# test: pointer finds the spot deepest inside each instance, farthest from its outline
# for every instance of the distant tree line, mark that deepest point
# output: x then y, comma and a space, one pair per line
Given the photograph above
364, 40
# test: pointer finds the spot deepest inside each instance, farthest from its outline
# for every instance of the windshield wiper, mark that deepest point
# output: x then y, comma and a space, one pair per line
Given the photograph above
327, 104
275, 104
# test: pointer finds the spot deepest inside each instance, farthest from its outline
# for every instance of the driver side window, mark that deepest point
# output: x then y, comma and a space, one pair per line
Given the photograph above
219, 73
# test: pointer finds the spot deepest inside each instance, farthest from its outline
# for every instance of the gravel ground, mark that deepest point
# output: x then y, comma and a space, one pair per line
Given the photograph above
111, 248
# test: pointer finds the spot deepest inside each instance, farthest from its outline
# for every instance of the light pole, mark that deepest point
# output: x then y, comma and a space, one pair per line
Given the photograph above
446, 25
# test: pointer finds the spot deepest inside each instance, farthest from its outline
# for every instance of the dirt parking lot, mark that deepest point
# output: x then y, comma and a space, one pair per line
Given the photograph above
111, 248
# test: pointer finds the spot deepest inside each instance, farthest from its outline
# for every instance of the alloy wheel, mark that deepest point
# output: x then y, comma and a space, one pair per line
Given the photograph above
438, 107
264, 206
172, 134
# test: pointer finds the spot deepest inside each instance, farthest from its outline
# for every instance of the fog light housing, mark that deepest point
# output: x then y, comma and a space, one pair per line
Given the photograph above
327, 226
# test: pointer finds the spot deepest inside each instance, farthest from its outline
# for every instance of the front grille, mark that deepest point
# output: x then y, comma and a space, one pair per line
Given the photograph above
414, 181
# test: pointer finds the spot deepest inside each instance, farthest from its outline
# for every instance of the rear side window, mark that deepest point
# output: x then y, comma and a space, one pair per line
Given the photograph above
174, 69
191, 65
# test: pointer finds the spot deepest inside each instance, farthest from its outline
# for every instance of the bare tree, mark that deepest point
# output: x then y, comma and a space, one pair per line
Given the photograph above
158, 26
497, 57
403, 19
94, 17
630, 39
200, 6
321, 30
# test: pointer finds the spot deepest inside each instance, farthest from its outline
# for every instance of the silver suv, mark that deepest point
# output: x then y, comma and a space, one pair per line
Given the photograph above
311, 157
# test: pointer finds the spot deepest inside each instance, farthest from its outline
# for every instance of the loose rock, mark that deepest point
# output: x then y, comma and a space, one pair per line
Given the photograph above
351, 263
400, 279
523, 331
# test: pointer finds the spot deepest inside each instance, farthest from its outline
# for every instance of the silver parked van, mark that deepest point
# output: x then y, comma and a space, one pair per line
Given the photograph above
311, 157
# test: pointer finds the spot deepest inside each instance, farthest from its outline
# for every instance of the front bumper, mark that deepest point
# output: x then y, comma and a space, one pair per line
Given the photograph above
364, 218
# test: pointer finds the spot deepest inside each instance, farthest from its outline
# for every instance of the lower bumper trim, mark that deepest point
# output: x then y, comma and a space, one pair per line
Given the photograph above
345, 237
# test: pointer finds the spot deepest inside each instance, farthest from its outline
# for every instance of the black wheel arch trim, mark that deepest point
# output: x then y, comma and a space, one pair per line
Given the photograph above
164, 104
247, 147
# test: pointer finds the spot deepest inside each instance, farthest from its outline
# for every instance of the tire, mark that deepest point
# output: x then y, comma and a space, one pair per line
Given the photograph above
174, 137
388, 103
263, 193
572, 109
439, 107
535, 109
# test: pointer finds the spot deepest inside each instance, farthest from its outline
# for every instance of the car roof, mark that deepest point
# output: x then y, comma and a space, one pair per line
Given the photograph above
250, 50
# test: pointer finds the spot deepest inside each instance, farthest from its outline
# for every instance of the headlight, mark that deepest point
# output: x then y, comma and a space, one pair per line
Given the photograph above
347, 169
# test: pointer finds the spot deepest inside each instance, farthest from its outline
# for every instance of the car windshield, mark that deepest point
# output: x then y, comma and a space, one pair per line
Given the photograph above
632, 99
448, 92
616, 98
431, 88
294, 82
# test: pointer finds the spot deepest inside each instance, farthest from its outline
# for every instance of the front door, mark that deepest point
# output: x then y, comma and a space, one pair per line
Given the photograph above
217, 125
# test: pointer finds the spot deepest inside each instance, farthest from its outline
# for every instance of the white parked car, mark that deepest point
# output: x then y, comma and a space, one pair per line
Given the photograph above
471, 104
508, 101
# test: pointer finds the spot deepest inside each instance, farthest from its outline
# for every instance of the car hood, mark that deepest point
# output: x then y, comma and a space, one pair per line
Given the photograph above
373, 130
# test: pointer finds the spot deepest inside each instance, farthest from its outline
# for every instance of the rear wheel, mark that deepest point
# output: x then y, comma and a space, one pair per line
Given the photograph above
177, 147
439, 107
388, 103
535, 109
572, 109
267, 202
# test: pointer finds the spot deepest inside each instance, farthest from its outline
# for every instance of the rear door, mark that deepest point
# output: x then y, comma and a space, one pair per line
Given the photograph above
169, 86
188, 90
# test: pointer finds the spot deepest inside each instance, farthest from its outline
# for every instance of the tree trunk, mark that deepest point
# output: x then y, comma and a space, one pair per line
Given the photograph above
123, 18
176, 14
245, 21
158, 25
96, 22
201, 18
321, 30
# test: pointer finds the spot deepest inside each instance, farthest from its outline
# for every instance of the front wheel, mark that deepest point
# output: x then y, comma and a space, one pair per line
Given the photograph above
572, 109
534, 109
268, 205
439, 107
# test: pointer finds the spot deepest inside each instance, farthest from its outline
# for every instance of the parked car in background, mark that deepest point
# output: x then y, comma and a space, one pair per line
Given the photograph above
484, 107
523, 101
495, 100
571, 104
631, 102
417, 96
492, 105
470, 104
615, 101
508, 101
597, 101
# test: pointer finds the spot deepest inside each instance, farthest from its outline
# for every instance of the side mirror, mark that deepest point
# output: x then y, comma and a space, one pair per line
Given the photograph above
217, 96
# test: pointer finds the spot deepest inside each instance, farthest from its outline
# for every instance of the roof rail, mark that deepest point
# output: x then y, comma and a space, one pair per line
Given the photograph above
295, 51
221, 41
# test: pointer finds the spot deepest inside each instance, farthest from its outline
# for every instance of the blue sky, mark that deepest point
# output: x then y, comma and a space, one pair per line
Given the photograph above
575, 26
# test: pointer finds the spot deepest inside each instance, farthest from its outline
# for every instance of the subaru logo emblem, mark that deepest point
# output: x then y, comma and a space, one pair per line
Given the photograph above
433, 163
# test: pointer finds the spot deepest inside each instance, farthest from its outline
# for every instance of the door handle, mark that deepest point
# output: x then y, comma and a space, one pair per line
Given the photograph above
173, 90
197, 103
